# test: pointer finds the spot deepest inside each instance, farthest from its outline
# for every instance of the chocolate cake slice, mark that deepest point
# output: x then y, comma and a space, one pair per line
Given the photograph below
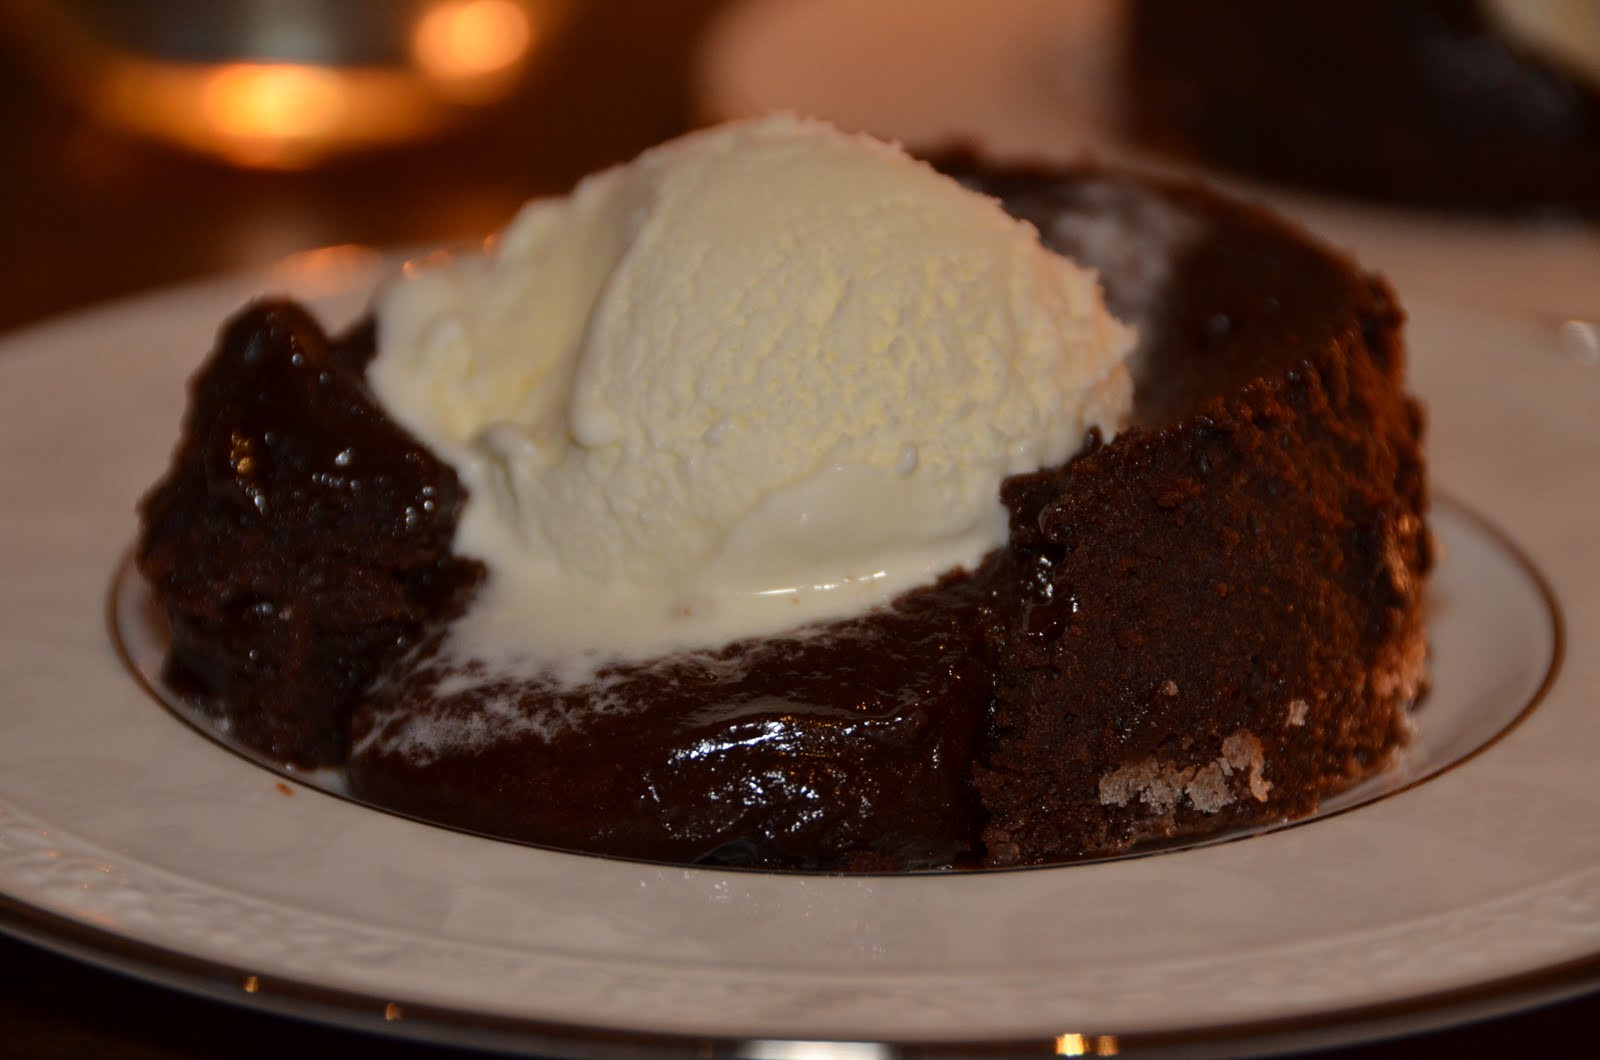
300, 541
1218, 615
1212, 619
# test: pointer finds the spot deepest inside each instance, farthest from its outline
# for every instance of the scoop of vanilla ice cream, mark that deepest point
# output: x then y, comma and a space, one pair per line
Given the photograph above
765, 374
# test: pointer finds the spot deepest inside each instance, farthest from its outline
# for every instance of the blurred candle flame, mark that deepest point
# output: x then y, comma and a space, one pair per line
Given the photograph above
468, 46
280, 114
259, 110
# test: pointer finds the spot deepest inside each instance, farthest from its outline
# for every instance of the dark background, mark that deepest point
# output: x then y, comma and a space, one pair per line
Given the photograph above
88, 214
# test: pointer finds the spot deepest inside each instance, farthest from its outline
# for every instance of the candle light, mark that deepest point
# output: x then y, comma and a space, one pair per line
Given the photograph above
284, 86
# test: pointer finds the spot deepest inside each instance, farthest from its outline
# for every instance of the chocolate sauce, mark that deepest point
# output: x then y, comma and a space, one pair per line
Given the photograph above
847, 746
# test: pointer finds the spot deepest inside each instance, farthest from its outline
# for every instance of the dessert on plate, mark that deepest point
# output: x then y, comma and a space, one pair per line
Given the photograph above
780, 500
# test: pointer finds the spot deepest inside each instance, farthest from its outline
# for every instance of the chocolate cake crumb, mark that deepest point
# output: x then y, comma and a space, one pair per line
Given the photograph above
1161, 785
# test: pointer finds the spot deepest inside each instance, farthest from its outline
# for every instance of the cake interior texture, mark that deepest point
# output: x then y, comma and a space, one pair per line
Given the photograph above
1213, 619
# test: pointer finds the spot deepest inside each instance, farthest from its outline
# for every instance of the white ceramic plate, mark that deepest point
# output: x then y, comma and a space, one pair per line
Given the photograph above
128, 837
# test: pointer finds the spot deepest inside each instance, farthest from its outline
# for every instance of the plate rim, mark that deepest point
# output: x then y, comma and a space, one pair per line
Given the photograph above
377, 1014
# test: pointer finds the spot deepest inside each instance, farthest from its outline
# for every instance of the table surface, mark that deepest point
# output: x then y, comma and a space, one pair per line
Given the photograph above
96, 215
